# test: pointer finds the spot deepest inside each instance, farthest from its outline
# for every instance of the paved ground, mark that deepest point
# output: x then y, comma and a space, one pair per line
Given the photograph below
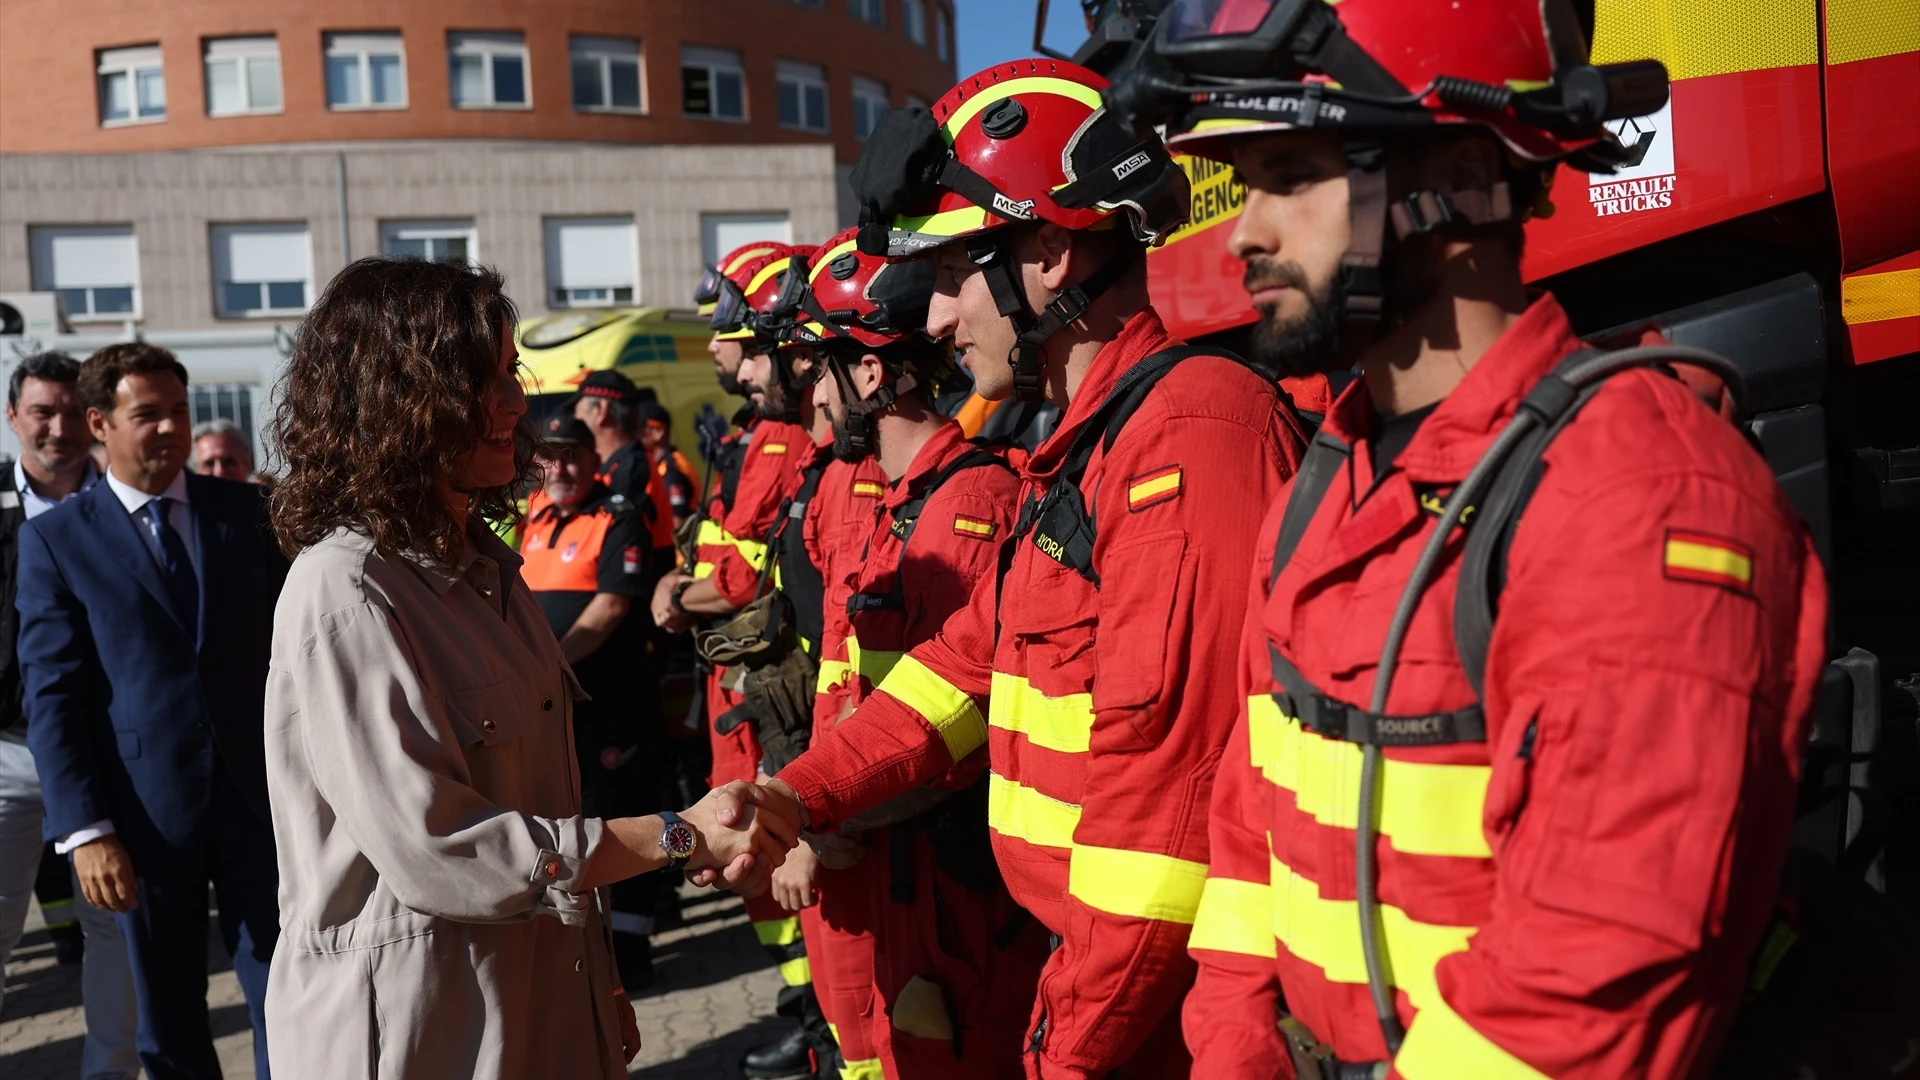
712, 1003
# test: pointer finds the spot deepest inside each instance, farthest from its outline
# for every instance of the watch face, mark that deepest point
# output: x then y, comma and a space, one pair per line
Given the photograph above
678, 840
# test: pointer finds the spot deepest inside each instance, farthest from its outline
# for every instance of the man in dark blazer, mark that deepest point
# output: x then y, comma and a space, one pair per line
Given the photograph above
146, 608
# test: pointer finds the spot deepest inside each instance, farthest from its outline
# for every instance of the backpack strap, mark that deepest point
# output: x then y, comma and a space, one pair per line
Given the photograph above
907, 517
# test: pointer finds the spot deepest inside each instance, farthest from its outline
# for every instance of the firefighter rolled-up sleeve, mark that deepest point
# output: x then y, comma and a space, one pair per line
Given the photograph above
1173, 551
1649, 684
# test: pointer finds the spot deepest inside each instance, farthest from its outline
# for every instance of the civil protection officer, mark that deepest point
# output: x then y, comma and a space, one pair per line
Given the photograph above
1448, 843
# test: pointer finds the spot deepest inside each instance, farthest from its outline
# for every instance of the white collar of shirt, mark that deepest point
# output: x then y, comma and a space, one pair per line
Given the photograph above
36, 503
133, 498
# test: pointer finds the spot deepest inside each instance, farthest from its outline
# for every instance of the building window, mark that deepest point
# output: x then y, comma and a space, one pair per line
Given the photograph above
243, 76
226, 401
869, 101
94, 269
133, 86
942, 35
261, 270
591, 262
868, 11
722, 233
606, 74
366, 71
803, 96
441, 241
913, 16
712, 83
488, 71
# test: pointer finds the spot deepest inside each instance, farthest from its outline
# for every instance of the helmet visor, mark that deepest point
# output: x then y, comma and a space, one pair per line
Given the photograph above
1195, 20
1235, 38
708, 291
729, 307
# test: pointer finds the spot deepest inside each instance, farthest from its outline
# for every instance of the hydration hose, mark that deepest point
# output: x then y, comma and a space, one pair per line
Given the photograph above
1543, 406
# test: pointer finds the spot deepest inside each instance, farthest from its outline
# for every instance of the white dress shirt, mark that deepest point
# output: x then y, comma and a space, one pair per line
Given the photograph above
35, 503
180, 516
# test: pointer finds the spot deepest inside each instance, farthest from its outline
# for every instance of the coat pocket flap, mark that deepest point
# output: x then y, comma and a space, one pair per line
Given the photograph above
492, 714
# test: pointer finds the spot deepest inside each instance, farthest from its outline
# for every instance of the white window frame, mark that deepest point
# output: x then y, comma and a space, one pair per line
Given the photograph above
803, 77
871, 12
245, 54
487, 45
913, 20
942, 34
221, 232
582, 296
45, 273
714, 62
363, 47
868, 94
604, 51
432, 230
774, 225
129, 63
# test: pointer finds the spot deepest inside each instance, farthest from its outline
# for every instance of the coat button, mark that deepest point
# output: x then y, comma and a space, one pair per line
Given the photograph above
553, 869
579, 965
489, 725
486, 590
547, 705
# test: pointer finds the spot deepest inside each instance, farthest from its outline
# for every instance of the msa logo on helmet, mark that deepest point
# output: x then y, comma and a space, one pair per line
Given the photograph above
1131, 165
1007, 208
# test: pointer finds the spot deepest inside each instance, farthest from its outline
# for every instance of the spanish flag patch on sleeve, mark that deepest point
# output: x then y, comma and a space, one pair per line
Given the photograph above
1709, 560
774, 448
1153, 488
977, 528
871, 489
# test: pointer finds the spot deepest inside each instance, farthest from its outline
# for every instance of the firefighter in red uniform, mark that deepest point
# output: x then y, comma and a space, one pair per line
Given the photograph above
772, 472
956, 960
1108, 704
1539, 846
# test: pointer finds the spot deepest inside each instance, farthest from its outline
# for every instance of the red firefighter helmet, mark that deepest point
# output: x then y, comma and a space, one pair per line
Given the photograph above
728, 276
1518, 68
861, 300
1027, 140
750, 292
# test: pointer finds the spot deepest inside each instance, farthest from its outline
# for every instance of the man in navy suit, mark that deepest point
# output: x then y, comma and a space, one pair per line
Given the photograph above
146, 608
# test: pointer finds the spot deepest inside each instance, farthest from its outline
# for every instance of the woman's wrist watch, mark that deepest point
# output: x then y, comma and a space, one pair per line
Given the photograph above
679, 591
678, 839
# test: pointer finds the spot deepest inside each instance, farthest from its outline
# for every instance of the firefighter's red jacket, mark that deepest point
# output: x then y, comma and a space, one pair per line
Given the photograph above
1103, 710
768, 476
1578, 896
839, 518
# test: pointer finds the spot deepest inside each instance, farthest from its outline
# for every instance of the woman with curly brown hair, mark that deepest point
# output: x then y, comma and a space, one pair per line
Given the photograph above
437, 878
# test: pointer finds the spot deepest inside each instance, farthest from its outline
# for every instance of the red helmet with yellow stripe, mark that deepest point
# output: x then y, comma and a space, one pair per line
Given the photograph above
752, 290
860, 300
729, 277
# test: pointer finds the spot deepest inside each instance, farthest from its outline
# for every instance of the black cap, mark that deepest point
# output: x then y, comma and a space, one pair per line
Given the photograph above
652, 412
561, 429
609, 384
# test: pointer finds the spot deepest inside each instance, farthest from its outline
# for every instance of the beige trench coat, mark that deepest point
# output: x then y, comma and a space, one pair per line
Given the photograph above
426, 804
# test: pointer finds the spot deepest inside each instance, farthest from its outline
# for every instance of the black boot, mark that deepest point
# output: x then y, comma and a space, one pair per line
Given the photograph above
791, 1056
808, 1050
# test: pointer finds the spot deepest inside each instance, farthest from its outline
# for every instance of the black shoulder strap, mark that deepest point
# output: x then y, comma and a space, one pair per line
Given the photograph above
907, 517
1058, 520
1326, 456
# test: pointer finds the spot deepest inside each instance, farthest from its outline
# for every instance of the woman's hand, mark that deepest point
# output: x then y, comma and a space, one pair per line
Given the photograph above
836, 851
793, 882
744, 837
629, 1025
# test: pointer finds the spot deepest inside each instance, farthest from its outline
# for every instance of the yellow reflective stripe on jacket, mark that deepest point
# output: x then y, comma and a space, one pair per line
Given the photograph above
1015, 810
1424, 809
874, 664
832, 674
709, 534
753, 551
1326, 934
1233, 918
944, 706
1138, 884
1063, 723
1442, 1044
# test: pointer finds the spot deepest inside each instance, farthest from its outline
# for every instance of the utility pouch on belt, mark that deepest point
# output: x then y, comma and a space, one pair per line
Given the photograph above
686, 541
1313, 1061
781, 698
753, 637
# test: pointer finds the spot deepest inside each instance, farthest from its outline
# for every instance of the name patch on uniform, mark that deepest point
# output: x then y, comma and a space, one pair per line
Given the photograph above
1708, 560
1433, 502
977, 528
1153, 488
774, 448
872, 489
630, 560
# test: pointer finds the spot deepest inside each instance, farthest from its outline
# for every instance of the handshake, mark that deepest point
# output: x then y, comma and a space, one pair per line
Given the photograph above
745, 832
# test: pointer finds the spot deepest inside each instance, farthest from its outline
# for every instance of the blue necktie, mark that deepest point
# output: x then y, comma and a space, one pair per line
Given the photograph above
175, 567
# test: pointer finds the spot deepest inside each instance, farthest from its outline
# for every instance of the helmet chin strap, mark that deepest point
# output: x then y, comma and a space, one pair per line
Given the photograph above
989, 252
1380, 222
860, 414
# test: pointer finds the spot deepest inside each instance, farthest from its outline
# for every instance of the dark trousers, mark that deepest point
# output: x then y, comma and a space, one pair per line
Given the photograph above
167, 935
